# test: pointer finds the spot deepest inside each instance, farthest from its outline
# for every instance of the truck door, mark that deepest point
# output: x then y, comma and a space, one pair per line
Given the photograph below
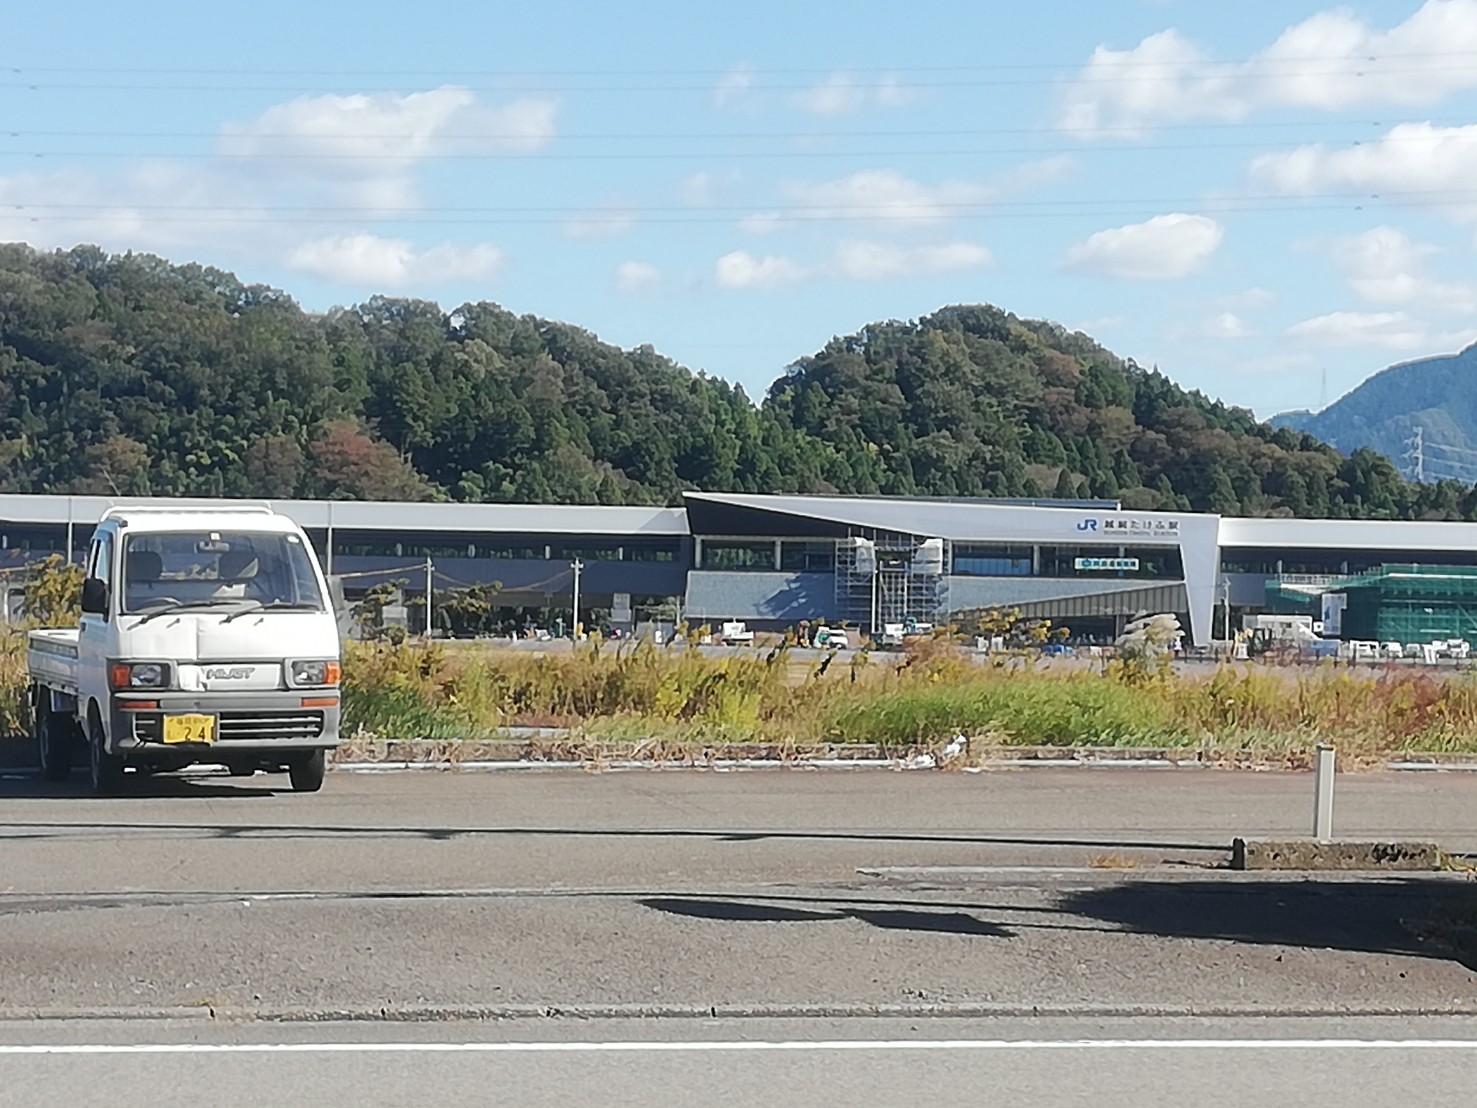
95, 630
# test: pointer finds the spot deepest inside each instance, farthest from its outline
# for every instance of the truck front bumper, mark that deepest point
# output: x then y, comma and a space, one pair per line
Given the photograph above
267, 722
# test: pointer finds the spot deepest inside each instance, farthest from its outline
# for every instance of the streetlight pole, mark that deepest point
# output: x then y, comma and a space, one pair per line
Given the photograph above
574, 625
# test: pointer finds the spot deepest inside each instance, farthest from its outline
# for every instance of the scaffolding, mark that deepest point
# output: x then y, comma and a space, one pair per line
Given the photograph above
1411, 604
891, 578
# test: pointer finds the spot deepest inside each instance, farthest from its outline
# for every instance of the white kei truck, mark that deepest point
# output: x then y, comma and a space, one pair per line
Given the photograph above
207, 637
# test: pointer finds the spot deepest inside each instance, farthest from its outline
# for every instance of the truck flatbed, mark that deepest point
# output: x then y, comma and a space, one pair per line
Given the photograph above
51, 655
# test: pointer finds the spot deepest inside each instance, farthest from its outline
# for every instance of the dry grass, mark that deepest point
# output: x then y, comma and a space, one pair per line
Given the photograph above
675, 704
1113, 861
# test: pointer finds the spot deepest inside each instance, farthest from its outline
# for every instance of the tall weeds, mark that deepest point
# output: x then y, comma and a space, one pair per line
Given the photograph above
929, 695
926, 696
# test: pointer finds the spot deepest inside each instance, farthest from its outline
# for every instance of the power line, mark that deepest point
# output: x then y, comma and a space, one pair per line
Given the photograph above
1075, 74
267, 154
882, 208
674, 217
879, 71
1239, 125
1446, 446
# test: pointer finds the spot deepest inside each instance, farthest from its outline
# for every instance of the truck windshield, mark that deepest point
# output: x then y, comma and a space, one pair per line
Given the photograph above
181, 569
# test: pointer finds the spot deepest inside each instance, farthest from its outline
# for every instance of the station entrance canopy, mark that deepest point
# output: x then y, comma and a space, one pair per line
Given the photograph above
1095, 532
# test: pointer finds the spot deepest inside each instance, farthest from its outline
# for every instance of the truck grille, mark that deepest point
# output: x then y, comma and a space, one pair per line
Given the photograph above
149, 726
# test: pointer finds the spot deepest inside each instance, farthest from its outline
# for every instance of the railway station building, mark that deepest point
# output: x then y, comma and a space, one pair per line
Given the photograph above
775, 561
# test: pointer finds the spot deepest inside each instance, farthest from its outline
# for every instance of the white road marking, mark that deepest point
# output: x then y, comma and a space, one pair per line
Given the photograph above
742, 1046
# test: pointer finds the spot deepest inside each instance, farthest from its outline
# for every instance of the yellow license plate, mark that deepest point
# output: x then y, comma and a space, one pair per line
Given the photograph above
189, 729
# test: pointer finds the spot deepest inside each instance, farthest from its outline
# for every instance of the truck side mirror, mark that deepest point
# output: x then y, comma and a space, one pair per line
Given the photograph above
95, 596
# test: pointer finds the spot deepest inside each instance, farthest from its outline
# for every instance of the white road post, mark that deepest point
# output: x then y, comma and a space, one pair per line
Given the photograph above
430, 573
1323, 788
574, 623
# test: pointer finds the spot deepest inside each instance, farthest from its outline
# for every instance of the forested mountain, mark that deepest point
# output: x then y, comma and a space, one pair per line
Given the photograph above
128, 375
1437, 395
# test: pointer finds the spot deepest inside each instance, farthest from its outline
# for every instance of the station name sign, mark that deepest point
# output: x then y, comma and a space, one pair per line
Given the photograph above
1131, 525
1105, 563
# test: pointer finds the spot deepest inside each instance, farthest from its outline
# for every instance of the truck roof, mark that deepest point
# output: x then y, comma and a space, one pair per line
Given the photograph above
150, 518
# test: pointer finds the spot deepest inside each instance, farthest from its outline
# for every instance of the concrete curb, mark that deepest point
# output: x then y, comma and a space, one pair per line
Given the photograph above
1311, 856
635, 1012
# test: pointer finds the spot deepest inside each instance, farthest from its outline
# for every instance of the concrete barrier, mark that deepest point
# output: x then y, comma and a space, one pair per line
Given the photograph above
1308, 854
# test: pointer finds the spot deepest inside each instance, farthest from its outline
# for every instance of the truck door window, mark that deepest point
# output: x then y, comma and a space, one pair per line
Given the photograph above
102, 562
102, 559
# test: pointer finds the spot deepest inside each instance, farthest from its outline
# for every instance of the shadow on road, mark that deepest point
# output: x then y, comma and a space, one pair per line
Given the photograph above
1422, 918
1407, 917
22, 786
33, 787
893, 919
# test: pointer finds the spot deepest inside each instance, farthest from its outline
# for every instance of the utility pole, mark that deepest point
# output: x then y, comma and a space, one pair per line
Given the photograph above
430, 572
574, 623
1226, 598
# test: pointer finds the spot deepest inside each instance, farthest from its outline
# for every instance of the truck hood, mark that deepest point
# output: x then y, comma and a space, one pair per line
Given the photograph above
205, 636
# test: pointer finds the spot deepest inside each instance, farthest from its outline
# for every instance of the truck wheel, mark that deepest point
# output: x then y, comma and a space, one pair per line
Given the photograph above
54, 743
107, 769
306, 771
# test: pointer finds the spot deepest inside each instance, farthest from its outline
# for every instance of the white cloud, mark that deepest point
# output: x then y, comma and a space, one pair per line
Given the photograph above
888, 199
1162, 248
742, 270
154, 206
892, 93
698, 189
392, 128
1224, 325
734, 86
841, 94
1386, 266
1331, 61
364, 147
368, 261
632, 277
854, 260
884, 196
870, 261
838, 94
1383, 330
1421, 164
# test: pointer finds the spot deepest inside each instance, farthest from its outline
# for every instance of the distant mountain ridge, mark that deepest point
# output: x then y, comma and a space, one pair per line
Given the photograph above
126, 375
1438, 395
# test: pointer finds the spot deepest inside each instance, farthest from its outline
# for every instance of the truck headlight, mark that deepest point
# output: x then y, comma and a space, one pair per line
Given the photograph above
140, 675
316, 673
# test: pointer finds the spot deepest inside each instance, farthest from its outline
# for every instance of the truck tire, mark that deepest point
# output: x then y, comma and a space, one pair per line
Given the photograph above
107, 769
306, 771
54, 739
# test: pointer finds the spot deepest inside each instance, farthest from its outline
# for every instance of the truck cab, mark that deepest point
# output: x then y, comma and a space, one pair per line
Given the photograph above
206, 637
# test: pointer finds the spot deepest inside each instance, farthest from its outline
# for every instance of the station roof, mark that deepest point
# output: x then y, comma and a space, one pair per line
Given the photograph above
1347, 534
710, 513
534, 519
956, 519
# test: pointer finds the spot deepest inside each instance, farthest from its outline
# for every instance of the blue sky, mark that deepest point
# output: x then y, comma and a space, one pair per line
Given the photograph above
1268, 200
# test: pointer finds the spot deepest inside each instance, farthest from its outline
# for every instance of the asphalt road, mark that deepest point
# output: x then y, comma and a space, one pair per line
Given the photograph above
438, 908
1145, 1064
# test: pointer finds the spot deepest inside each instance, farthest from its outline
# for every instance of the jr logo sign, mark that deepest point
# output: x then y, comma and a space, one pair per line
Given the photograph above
1087, 525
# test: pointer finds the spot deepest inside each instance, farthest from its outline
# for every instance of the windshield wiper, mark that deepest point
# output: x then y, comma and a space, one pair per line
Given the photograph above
181, 605
275, 606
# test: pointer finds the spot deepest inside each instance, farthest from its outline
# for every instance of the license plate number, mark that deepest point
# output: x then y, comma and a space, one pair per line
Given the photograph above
189, 729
